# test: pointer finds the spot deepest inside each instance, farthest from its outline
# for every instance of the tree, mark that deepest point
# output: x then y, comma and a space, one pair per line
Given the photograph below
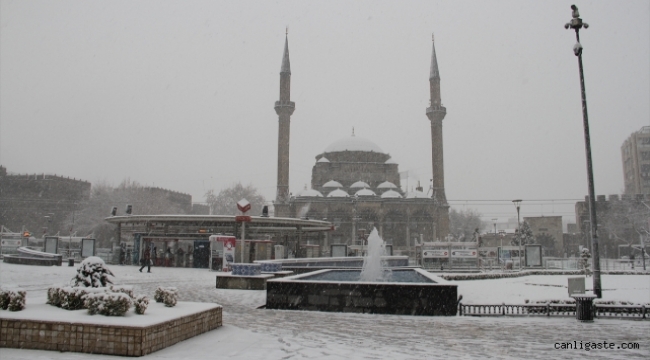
225, 202
525, 234
103, 196
463, 224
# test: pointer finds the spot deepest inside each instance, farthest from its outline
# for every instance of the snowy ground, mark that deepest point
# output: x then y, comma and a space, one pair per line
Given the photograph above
250, 333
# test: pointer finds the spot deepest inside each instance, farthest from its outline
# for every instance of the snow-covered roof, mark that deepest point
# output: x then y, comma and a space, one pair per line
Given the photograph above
365, 192
359, 184
310, 193
390, 161
338, 193
323, 160
353, 143
332, 184
391, 194
416, 195
387, 185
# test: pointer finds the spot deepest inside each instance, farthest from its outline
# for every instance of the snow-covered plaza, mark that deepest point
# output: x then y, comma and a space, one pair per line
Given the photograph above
252, 333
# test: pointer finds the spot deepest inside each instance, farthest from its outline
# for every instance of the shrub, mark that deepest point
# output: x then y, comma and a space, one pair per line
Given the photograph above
4, 299
125, 289
68, 297
16, 300
166, 295
107, 303
92, 273
141, 302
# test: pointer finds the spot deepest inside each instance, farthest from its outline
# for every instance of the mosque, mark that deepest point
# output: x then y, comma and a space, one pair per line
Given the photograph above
355, 184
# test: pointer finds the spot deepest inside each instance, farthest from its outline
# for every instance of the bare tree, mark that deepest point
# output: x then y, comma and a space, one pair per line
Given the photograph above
225, 202
463, 224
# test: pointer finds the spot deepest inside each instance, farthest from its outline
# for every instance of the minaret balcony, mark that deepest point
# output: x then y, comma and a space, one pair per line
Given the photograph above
436, 109
285, 107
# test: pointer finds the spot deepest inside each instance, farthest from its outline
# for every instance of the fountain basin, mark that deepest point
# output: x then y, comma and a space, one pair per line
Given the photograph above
337, 291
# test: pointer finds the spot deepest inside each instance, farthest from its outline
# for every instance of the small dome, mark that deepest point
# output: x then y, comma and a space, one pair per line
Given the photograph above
391, 194
353, 143
365, 192
390, 161
359, 184
310, 193
416, 195
338, 193
322, 160
332, 184
387, 185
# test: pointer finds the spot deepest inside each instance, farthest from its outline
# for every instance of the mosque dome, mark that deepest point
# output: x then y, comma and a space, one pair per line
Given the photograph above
332, 184
391, 194
353, 143
416, 195
365, 192
310, 193
359, 184
387, 185
338, 193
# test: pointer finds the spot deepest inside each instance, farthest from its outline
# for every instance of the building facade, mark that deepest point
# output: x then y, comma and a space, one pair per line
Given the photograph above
635, 153
356, 185
548, 233
39, 203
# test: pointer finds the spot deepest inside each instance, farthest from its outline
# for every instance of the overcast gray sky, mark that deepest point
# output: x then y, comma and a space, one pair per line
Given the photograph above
180, 94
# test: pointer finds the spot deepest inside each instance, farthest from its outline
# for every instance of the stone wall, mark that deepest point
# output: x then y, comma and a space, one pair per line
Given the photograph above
105, 339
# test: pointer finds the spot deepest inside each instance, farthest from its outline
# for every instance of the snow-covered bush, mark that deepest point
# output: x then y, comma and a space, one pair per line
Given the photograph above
92, 273
4, 299
584, 261
16, 300
68, 297
107, 303
166, 295
125, 289
141, 302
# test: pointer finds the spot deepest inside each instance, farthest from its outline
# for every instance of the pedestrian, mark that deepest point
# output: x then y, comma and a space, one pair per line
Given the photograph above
146, 260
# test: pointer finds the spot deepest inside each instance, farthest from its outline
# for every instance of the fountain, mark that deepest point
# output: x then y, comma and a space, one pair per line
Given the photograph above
373, 289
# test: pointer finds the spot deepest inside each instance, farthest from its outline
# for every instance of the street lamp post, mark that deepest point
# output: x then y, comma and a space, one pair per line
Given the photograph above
577, 24
518, 205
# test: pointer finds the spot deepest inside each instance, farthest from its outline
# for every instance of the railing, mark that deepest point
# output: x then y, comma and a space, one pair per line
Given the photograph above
619, 311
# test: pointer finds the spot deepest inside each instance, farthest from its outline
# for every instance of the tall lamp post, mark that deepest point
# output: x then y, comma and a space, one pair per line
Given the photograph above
518, 205
577, 24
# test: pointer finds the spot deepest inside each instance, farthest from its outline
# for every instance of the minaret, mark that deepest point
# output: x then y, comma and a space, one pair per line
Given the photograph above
284, 108
436, 112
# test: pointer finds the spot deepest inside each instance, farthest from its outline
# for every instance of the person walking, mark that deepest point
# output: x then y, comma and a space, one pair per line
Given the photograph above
146, 260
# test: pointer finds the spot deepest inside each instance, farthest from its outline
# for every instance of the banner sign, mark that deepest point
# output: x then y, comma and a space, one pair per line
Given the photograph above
464, 253
229, 243
11, 242
435, 254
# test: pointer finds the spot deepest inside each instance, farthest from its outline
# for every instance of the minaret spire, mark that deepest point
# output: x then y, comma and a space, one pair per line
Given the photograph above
284, 108
286, 64
434, 74
436, 113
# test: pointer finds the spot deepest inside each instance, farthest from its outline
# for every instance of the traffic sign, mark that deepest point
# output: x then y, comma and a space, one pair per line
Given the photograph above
242, 218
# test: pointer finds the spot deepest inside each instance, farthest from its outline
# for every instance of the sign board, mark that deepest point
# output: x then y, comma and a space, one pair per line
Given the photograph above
228, 249
427, 254
11, 242
242, 218
87, 247
51, 244
576, 285
338, 250
533, 255
464, 253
